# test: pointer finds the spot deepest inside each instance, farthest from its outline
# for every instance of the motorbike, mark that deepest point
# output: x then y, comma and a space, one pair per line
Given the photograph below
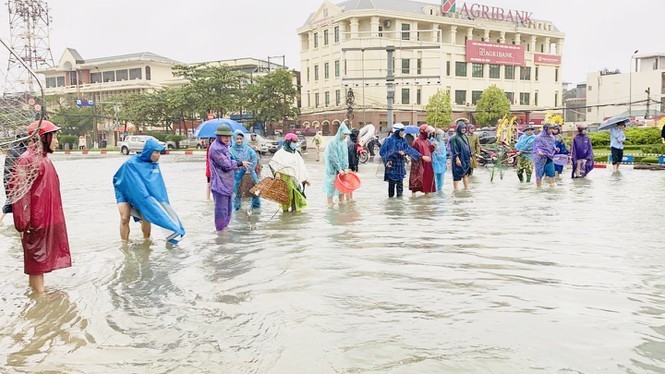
370, 149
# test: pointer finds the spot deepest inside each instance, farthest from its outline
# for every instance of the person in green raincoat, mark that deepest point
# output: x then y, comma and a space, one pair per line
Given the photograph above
336, 157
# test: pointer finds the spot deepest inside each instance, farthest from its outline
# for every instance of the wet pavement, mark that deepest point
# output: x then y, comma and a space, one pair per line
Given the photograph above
501, 278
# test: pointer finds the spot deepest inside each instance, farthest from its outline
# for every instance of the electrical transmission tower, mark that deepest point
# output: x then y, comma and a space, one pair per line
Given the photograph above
29, 23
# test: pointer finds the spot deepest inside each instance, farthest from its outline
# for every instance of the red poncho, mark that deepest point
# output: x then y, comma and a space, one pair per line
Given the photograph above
39, 216
422, 174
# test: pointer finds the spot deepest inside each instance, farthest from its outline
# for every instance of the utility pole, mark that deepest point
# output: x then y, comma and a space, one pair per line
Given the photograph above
648, 92
390, 84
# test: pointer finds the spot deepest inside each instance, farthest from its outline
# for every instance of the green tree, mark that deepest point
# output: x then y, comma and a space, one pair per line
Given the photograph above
215, 89
273, 97
73, 120
439, 109
492, 106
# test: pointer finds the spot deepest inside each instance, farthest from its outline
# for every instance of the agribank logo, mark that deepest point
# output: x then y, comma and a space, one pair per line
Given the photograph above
487, 12
448, 6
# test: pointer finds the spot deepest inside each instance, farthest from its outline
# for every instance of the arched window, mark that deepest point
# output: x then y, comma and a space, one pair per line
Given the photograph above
147, 73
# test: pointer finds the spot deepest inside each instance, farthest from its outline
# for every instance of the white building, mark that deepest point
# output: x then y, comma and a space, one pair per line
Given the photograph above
343, 46
609, 93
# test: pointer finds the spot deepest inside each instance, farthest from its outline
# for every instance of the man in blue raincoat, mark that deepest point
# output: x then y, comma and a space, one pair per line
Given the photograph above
393, 152
141, 193
241, 151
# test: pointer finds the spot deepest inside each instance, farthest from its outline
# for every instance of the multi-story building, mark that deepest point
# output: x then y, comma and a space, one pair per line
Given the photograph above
343, 46
612, 93
94, 82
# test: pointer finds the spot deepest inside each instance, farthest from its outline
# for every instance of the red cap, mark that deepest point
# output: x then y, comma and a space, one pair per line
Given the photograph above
44, 127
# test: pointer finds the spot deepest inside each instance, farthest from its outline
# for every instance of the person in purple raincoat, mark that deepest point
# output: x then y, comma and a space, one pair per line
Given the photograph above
582, 153
222, 175
543, 153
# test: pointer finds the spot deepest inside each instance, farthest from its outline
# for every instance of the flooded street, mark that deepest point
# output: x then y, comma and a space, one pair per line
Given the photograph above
502, 278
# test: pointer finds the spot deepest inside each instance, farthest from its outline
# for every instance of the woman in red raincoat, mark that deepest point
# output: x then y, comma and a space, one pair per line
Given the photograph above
38, 215
421, 178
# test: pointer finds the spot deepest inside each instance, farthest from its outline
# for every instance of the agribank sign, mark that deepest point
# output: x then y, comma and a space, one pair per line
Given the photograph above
487, 12
494, 53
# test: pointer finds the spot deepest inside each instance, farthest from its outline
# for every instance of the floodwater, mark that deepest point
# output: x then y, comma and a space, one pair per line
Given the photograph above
502, 278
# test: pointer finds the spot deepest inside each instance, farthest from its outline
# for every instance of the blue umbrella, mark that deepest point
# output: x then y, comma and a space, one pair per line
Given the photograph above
613, 122
207, 129
411, 129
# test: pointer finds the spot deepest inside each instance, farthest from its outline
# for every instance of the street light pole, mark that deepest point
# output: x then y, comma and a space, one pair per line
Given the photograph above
630, 85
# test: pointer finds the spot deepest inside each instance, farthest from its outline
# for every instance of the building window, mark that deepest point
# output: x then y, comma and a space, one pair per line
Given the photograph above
316, 72
525, 98
316, 100
477, 70
337, 68
316, 40
406, 95
72, 78
406, 66
325, 37
542, 48
406, 34
510, 72
475, 96
460, 69
419, 66
495, 71
326, 70
511, 97
556, 75
380, 31
308, 74
460, 97
535, 99
338, 97
418, 96
336, 32
447, 68
50, 82
97, 77
556, 99
121, 75
327, 98
147, 73
309, 103
133, 74
525, 73
536, 76
109, 76
344, 67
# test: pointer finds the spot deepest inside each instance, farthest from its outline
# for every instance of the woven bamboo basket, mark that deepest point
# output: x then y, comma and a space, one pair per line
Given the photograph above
272, 189
246, 185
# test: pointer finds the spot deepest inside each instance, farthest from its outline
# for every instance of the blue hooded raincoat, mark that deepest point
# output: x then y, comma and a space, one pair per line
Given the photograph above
390, 153
139, 182
241, 153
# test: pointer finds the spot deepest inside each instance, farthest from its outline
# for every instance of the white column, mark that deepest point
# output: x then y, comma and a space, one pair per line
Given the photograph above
533, 43
453, 34
374, 27
487, 35
469, 33
436, 29
354, 28
311, 39
547, 44
503, 37
518, 38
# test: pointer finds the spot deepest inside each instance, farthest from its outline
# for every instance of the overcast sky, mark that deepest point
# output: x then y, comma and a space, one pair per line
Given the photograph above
599, 34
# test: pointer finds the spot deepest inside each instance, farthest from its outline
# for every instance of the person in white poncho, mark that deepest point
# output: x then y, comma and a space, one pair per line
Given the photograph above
288, 165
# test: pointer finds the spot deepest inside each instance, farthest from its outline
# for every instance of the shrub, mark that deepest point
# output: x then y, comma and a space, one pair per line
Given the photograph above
642, 136
658, 149
175, 138
72, 140
649, 160
600, 138
162, 137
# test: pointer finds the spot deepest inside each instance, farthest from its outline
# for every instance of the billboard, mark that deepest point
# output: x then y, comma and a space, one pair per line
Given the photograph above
494, 53
541, 59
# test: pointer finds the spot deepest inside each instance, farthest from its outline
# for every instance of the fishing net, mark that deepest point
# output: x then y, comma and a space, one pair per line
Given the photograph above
21, 103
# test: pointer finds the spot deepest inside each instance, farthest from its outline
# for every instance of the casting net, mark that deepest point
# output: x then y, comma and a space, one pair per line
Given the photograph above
21, 103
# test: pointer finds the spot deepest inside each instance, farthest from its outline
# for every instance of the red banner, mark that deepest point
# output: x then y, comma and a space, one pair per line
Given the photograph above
494, 53
540, 59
